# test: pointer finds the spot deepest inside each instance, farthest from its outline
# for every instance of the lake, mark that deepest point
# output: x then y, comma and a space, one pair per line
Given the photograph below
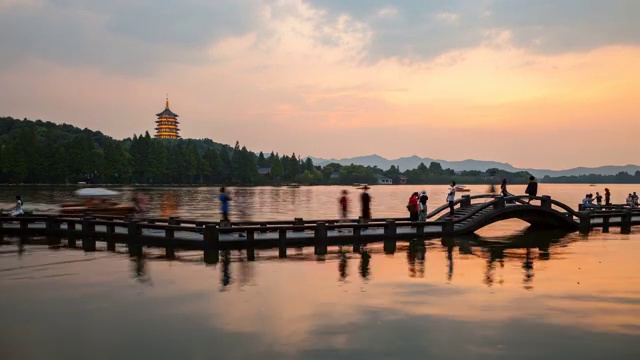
506, 294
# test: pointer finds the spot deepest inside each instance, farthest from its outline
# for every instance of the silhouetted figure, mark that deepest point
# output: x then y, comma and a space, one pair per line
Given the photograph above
224, 206
635, 199
492, 189
607, 196
413, 207
344, 206
451, 197
140, 268
532, 188
503, 188
423, 206
598, 199
630, 201
365, 200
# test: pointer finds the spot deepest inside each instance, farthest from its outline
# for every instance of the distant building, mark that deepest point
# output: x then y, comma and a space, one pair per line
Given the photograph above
335, 175
264, 170
167, 124
402, 180
383, 180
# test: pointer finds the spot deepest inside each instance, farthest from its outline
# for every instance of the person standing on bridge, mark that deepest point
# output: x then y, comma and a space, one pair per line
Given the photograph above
224, 206
413, 207
423, 206
344, 206
365, 200
607, 196
598, 199
451, 197
532, 188
503, 188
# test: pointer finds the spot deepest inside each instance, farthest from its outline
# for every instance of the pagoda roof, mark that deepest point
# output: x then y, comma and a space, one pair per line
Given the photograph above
167, 112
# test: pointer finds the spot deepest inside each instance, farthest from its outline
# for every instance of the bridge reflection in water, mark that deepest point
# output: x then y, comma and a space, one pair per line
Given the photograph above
525, 248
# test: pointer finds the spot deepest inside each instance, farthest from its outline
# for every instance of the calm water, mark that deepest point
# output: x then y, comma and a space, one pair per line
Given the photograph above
520, 295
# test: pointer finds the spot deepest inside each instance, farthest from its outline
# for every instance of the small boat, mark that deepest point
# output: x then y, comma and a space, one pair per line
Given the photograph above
293, 185
96, 201
462, 188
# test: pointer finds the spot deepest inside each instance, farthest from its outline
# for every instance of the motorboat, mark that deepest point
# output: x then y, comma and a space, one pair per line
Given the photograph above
462, 188
96, 201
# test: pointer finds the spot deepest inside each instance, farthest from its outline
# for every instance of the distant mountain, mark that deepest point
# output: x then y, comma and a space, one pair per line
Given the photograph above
412, 162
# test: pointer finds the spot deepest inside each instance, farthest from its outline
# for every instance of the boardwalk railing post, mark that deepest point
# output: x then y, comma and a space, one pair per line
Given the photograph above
251, 253
499, 203
320, 242
71, 233
173, 221
111, 244
53, 229
625, 226
282, 243
605, 224
420, 231
545, 203
134, 232
447, 227
585, 222
390, 233
357, 244
211, 244
88, 229
466, 201
169, 250
298, 222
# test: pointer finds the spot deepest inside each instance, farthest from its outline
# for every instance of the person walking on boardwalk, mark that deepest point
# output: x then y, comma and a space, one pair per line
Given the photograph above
224, 206
423, 206
365, 200
451, 197
413, 207
17, 211
607, 196
635, 199
344, 206
598, 199
532, 188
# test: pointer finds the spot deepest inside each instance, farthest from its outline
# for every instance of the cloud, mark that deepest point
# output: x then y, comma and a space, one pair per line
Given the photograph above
118, 35
423, 30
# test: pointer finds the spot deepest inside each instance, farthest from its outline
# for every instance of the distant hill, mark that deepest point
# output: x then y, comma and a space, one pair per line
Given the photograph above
412, 162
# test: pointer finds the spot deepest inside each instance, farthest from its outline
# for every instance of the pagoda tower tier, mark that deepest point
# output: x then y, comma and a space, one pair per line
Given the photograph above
167, 124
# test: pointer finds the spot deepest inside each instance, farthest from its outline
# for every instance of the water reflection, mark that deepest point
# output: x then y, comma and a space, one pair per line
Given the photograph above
139, 268
342, 264
364, 266
416, 258
225, 269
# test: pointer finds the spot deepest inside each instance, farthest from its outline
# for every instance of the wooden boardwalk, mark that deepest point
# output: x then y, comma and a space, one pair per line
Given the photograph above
471, 214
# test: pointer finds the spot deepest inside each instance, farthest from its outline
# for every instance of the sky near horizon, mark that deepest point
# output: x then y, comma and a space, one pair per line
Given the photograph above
538, 84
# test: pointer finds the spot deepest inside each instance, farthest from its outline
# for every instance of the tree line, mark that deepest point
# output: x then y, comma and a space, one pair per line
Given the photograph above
38, 152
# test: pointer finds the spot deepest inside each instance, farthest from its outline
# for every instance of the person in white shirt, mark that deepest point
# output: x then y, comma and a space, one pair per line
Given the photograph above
18, 209
451, 197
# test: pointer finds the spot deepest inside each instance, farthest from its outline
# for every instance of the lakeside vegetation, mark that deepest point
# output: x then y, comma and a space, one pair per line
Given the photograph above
38, 152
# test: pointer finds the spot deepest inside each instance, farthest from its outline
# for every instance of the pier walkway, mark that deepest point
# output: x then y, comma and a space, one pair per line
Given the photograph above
471, 214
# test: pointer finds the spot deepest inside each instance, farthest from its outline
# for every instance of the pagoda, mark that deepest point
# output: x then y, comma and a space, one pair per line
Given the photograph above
167, 124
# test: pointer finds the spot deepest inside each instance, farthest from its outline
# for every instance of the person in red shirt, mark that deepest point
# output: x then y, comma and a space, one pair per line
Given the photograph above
413, 207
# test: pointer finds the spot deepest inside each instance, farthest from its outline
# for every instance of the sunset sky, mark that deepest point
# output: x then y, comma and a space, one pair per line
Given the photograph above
542, 84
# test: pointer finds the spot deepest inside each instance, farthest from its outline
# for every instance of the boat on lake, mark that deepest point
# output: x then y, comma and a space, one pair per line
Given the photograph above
96, 201
462, 188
